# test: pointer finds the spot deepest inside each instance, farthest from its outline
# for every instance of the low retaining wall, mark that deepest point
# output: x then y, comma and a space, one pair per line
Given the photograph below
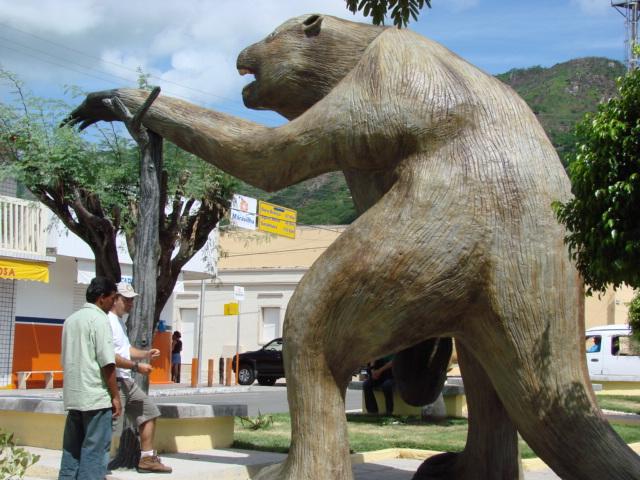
182, 427
455, 402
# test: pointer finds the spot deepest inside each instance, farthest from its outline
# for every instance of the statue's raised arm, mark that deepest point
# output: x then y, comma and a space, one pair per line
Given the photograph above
251, 152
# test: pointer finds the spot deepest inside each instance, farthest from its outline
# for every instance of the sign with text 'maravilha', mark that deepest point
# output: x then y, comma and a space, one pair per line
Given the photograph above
276, 219
243, 212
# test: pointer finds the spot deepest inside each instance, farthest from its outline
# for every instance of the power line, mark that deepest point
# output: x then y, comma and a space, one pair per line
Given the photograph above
62, 59
66, 67
119, 65
206, 96
274, 251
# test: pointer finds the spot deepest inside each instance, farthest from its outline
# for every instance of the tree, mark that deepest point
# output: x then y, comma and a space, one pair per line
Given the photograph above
401, 10
602, 218
92, 186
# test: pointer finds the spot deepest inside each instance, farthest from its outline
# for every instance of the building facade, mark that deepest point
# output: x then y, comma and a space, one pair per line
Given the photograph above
55, 269
269, 269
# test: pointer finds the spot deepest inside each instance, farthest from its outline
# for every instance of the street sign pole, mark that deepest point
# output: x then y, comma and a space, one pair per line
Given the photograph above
200, 331
238, 295
238, 345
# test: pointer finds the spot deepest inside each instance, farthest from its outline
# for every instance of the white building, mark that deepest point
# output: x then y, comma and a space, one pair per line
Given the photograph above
268, 268
32, 312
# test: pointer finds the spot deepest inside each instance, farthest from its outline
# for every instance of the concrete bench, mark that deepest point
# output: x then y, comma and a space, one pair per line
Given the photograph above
455, 402
24, 375
182, 427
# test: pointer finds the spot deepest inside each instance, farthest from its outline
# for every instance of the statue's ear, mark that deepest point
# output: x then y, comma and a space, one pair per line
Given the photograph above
312, 25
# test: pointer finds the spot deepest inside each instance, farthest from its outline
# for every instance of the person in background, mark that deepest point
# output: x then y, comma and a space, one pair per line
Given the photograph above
90, 393
380, 376
596, 345
176, 360
138, 408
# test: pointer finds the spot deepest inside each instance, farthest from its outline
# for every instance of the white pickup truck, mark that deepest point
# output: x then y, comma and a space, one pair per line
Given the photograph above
612, 356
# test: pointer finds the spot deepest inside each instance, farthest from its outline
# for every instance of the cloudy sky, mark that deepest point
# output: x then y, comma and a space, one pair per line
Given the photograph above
190, 46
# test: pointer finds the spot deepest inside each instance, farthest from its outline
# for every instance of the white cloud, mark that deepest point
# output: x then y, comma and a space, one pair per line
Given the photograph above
458, 5
60, 17
592, 7
193, 42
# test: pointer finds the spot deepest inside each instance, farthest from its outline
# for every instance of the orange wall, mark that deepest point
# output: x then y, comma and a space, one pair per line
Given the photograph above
161, 365
37, 347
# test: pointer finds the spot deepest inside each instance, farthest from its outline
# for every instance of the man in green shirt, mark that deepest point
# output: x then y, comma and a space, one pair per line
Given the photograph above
90, 392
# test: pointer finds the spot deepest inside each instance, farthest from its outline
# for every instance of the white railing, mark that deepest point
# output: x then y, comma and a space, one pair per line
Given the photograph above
22, 226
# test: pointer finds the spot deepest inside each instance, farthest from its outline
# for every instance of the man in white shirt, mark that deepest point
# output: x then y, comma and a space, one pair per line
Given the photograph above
136, 404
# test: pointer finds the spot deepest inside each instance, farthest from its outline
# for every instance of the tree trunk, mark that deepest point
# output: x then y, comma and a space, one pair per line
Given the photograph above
145, 262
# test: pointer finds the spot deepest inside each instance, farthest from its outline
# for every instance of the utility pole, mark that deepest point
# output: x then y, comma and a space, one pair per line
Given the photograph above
630, 11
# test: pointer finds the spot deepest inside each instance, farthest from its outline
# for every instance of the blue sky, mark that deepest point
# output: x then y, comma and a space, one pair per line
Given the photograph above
190, 46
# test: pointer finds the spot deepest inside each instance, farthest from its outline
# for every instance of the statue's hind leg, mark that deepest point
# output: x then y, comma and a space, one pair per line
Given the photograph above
544, 388
491, 452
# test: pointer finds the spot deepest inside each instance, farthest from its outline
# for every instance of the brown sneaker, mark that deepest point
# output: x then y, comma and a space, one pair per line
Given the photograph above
152, 464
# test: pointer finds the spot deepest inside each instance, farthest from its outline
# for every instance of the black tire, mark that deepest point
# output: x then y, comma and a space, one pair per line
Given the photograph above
266, 381
246, 375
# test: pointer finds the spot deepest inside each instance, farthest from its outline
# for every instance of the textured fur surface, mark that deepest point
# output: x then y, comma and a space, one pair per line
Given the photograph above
454, 179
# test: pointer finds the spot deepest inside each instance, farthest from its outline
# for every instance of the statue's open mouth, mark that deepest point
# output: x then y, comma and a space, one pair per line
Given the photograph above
248, 71
245, 71
249, 90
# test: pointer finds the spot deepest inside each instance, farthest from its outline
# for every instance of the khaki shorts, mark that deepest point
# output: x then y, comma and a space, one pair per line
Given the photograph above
136, 405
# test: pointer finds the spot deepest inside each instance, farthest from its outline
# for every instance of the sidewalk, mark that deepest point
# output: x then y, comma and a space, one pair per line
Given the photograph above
155, 390
231, 464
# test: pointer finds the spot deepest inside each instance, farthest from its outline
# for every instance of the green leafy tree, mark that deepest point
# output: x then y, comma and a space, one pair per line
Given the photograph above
401, 10
602, 219
92, 186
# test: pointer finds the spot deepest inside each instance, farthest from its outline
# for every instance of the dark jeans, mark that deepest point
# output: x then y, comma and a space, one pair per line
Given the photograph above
369, 398
86, 444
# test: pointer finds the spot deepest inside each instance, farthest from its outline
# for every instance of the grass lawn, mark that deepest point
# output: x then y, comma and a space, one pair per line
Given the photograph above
619, 403
368, 432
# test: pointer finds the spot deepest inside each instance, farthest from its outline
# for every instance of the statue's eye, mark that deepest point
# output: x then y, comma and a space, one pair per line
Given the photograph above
271, 37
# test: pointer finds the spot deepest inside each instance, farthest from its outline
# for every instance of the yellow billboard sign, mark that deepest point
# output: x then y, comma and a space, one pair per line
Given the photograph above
276, 219
231, 308
276, 211
279, 227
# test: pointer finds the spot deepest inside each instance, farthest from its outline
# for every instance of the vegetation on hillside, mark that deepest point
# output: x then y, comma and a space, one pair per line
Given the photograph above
562, 94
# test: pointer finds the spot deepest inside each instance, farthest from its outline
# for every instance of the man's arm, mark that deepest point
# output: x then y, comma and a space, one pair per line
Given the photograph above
139, 354
136, 366
109, 375
376, 373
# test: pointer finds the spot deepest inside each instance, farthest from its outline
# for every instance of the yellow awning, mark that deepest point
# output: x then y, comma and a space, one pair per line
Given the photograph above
24, 270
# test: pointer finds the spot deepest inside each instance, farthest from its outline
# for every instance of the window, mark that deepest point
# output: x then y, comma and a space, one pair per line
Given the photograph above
593, 343
622, 345
274, 346
270, 324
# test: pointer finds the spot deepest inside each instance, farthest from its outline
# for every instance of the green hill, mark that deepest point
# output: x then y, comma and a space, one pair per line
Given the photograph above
559, 96
562, 94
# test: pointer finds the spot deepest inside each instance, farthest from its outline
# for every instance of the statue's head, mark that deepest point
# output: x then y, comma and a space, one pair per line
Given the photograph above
301, 61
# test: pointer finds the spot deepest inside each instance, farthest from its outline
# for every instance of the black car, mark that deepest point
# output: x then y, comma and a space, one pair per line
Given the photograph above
264, 364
